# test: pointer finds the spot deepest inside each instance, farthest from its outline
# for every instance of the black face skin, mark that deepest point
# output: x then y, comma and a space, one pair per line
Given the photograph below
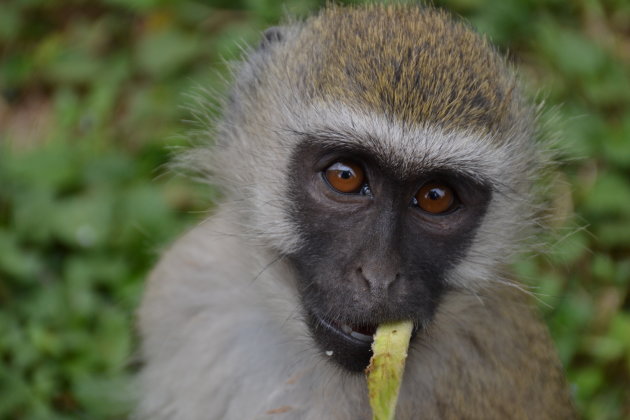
374, 255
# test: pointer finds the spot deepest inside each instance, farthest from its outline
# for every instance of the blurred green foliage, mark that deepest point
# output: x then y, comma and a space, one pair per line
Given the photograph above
92, 98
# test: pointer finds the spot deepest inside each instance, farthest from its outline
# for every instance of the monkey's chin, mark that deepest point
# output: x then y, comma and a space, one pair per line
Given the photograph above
348, 346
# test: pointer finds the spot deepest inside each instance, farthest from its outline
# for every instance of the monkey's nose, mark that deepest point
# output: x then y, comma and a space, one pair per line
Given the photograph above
377, 278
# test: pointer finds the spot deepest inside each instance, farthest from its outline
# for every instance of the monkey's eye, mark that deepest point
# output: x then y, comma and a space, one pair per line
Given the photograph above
345, 177
435, 198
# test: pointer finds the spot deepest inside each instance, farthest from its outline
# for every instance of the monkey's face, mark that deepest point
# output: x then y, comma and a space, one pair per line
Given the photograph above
376, 246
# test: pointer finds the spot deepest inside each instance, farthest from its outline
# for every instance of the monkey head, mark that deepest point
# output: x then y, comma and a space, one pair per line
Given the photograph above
398, 155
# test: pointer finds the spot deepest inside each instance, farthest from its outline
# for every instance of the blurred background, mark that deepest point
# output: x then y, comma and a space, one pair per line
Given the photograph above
93, 102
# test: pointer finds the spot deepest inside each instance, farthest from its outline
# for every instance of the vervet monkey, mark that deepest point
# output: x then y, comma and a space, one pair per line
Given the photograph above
376, 164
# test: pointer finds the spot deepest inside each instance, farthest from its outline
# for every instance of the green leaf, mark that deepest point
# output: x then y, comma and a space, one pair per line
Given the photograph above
609, 196
83, 221
163, 52
16, 262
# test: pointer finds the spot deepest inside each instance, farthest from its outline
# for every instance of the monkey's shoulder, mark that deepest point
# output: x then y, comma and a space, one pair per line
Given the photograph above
197, 272
490, 356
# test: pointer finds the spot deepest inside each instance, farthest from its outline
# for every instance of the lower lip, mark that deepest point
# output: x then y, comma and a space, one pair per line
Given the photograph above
352, 352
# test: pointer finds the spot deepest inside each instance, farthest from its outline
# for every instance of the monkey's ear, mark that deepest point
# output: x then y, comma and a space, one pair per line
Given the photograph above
271, 36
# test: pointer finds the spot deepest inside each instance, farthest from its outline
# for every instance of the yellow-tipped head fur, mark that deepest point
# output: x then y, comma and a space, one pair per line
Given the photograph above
414, 64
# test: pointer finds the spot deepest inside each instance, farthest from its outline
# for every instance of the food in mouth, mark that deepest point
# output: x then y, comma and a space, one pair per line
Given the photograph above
385, 372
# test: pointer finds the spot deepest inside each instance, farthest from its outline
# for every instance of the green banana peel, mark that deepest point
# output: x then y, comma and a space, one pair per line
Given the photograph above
385, 371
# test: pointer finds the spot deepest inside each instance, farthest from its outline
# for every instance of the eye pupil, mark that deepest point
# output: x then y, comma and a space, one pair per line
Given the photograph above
435, 194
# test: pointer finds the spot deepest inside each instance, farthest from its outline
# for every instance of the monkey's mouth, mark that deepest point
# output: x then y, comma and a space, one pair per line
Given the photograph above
348, 345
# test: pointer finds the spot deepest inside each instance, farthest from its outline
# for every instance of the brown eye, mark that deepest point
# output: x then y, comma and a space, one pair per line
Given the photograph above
435, 198
345, 177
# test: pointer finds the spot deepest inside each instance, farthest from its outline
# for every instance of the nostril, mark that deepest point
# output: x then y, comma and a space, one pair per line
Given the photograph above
394, 280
